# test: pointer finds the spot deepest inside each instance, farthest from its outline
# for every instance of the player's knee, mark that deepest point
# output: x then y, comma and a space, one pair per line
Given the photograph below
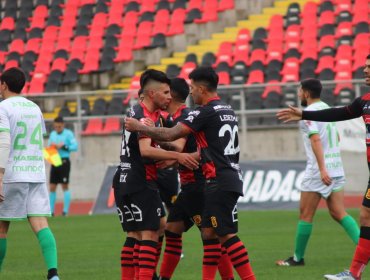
208, 233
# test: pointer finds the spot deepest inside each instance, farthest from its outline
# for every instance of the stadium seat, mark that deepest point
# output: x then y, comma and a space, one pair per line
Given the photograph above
163, 5
255, 77
112, 125
328, 97
208, 59
99, 107
193, 15
362, 27
177, 21
37, 83
172, 71
224, 5
94, 126
344, 29
224, 78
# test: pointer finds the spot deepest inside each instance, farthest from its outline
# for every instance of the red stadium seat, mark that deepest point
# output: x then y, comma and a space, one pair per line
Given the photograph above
37, 83
11, 64
78, 48
112, 125
326, 17
223, 78
343, 5
148, 6
97, 27
63, 44
271, 88
344, 29
33, 45
91, 61
360, 15
292, 36
51, 33
276, 24
309, 10
243, 37
59, 64
161, 22
186, 69
209, 12
124, 49
257, 55
177, 22
344, 52
343, 76
39, 17
131, 18
255, 77
241, 53
94, 126
7, 23
195, 4
308, 52
224, 5
17, 45
327, 41
343, 65
325, 62
144, 33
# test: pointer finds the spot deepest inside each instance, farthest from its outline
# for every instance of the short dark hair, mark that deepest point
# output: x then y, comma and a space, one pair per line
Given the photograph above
14, 78
205, 75
140, 92
153, 75
59, 120
180, 88
313, 86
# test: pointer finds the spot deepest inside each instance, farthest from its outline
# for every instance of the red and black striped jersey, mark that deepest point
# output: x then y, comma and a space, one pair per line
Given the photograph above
190, 180
359, 107
135, 172
215, 127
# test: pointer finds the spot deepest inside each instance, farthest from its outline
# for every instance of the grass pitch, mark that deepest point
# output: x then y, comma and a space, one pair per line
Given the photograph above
89, 248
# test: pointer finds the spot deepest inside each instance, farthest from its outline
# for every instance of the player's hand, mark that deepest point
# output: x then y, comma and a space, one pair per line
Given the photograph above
132, 124
325, 178
147, 122
163, 164
188, 161
289, 114
60, 145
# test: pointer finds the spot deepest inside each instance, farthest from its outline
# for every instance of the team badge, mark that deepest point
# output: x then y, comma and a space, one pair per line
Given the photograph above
197, 219
214, 221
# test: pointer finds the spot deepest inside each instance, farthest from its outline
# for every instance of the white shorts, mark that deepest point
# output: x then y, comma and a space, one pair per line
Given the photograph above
22, 200
314, 184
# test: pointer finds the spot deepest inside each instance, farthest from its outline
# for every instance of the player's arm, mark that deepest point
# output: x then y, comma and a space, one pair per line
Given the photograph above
354, 110
319, 154
157, 133
146, 150
4, 156
177, 145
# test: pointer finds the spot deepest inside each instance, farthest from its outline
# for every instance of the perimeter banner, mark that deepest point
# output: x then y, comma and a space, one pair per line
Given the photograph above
352, 135
267, 185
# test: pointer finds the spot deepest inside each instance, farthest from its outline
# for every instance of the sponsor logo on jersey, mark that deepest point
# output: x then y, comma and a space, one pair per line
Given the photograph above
122, 178
221, 107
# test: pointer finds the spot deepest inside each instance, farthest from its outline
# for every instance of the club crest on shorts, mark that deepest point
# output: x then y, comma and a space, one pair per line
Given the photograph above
214, 221
368, 194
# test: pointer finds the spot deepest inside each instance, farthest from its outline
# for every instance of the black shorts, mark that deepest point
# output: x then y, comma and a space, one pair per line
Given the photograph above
139, 211
188, 208
220, 211
168, 185
366, 200
60, 174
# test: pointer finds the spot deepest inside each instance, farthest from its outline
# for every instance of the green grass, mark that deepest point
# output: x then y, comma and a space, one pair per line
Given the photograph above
89, 248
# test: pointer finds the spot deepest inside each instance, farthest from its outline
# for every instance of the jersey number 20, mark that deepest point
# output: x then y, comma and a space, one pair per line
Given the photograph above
232, 148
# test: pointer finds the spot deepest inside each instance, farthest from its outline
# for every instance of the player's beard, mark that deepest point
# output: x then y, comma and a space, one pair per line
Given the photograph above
304, 102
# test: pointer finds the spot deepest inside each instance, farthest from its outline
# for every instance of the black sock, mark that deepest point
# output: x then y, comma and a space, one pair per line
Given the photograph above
52, 272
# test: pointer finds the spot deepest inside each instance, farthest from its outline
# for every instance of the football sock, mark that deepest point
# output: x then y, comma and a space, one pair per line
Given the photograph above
362, 253
52, 272
172, 254
147, 255
48, 247
350, 226
2, 251
135, 259
159, 249
67, 201
211, 258
225, 267
239, 257
127, 266
53, 198
302, 236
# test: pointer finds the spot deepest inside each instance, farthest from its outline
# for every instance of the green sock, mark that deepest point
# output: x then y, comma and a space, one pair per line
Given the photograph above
350, 226
2, 251
302, 236
48, 247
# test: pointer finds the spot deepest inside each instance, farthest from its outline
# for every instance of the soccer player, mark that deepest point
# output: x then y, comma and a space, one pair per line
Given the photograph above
23, 190
359, 107
188, 207
64, 140
136, 192
324, 174
215, 126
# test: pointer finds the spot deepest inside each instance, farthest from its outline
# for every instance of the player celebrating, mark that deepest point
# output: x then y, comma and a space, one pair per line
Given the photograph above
216, 130
23, 190
359, 107
324, 174
188, 207
136, 193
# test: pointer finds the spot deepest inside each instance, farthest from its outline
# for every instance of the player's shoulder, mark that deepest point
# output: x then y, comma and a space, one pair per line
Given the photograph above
136, 111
